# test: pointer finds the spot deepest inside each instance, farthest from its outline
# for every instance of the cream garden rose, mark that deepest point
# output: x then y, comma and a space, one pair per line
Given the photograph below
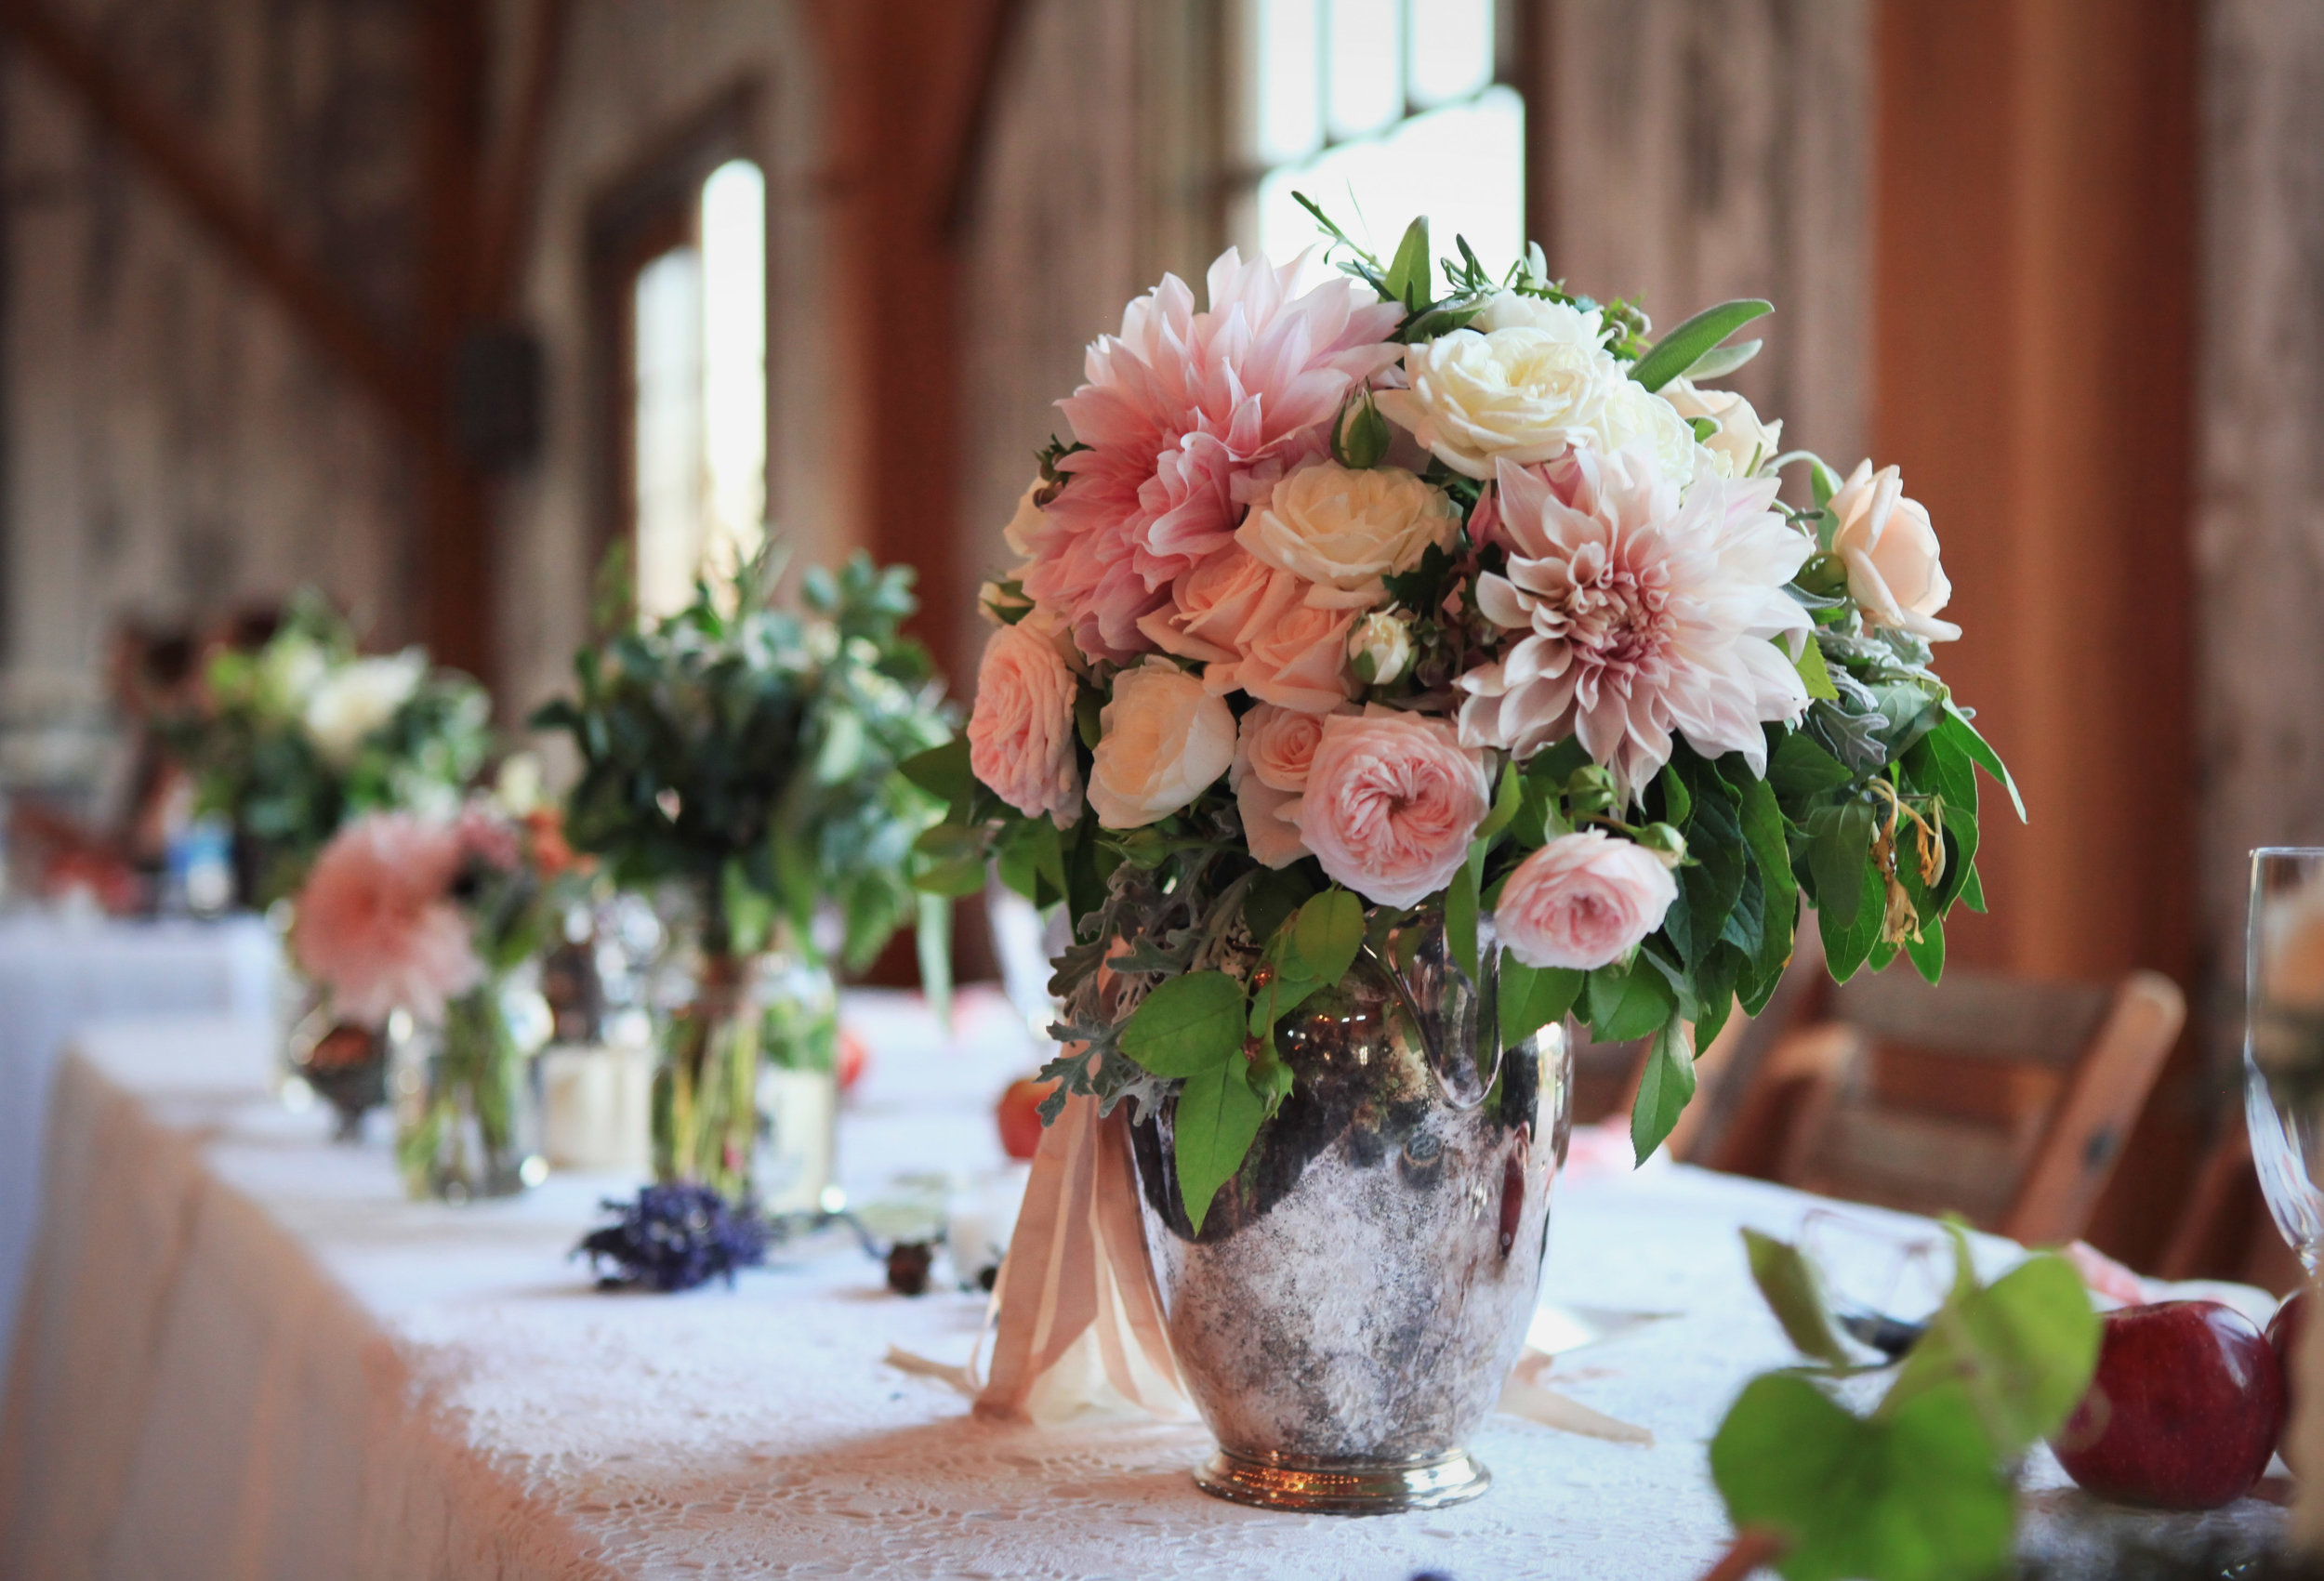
350, 703
1583, 902
1342, 529
1021, 732
1894, 572
1743, 443
1162, 740
1530, 391
1391, 804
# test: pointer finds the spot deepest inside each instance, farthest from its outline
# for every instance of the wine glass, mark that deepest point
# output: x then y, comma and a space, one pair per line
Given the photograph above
2287, 1140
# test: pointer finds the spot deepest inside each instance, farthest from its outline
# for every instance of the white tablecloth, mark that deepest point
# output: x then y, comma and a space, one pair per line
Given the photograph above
246, 1356
56, 976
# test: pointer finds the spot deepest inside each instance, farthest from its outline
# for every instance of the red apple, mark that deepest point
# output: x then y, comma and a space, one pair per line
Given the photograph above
855, 1059
1019, 1113
2183, 1411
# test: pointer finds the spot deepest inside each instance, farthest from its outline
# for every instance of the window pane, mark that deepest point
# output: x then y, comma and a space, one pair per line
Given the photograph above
1290, 115
667, 308
1463, 166
734, 361
1451, 50
1366, 69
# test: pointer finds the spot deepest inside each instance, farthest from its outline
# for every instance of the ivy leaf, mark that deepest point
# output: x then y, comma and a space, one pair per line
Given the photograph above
1912, 1496
1218, 1118
1680, 349
2022, 1348
1187, 1025
1663, 1090
1529, 999
1627, 1002
1323, 942
1794, 1294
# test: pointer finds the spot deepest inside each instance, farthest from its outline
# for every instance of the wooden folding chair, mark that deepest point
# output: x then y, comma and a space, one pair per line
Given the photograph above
2015, 1116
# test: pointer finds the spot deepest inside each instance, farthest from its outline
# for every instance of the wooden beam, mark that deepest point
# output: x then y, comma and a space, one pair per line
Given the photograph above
513, 195
976, 132
184, 167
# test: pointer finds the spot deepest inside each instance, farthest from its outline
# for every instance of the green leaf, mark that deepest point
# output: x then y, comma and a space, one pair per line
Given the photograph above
932, 940
1461, 911
1718, 363
1506, 798
1324, 940
1187, 1025
1810, 664
2023, 1348
1277, 996
1799, 769
1090, 717
1627, 1002
1217, 1119
1956, 725
1845, 948
1407, 279
1663, 1090
1680, 349
1677, 803
1763, 832
1795, 1295
951, 862
1274, 895
749, 909
942, 772
1928, 951
1910, 1497
1529, 999
1838, 849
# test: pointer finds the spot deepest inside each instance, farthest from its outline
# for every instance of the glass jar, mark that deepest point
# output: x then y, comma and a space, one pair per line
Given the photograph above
467, 1106
745, 1094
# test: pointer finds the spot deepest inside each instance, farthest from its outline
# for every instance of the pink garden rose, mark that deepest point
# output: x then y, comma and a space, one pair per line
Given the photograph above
1391, 802
1583, 902
1020, 734
1271, 754
375, 922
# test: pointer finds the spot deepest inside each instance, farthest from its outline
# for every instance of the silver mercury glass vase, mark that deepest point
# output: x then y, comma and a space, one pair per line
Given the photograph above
1359, 1291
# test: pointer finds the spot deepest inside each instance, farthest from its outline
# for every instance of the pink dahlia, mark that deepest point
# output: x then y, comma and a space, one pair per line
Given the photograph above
376, 925
1639, 611
1188, 417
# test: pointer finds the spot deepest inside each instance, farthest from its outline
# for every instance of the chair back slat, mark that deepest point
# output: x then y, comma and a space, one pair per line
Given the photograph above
1976, 1014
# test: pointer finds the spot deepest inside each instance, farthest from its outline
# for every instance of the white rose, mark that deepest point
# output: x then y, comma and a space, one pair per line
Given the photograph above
1162, 740
1380, 648
1343, 529
358, 698
1743, 443
1507, 309
289, 670
1529, 395
1894, 572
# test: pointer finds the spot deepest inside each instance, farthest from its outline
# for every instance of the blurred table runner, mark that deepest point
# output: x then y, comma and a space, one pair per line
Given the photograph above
57, 975
245, 1355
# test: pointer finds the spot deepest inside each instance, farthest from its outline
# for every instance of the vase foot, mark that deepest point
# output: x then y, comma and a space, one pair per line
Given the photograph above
1345, 1487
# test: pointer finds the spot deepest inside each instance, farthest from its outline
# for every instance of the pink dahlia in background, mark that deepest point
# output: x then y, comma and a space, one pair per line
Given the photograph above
1188, 417
1391, 802
1645, 613
376, 925
1583, 902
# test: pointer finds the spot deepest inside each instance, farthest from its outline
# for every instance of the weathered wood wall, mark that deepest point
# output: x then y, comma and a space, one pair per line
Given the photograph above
1691, 151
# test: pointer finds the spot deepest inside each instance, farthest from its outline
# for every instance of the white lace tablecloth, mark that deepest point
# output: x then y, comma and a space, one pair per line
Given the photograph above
245, 1355
55, 976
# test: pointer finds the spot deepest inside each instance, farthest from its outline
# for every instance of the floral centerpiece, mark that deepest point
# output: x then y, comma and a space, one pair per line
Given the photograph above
740, 759
293, 739
417, 926
1393, 670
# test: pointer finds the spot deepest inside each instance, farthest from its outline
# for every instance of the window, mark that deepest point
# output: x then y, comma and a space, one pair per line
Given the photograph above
698, 392
1380, 111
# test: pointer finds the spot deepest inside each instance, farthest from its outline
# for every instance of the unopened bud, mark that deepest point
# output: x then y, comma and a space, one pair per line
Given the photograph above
1668, 844
1380, 648
1589, 789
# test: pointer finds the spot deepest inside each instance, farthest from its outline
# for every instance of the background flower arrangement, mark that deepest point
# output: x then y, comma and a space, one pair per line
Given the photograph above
297, 737
739, 761
1358, 602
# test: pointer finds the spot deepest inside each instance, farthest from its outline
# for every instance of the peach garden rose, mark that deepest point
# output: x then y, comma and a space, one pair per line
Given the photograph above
1161, 742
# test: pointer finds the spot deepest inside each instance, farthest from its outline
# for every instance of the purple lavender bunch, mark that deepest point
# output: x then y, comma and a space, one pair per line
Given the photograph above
673, 1238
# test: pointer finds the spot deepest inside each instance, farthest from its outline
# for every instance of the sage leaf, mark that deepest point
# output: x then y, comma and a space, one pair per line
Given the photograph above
1680, 349
1718, 363
1795, 1295
1217, 1119
1187, 1025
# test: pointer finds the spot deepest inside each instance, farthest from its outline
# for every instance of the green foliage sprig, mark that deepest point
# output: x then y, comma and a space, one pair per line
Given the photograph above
750, 753
1918, 1488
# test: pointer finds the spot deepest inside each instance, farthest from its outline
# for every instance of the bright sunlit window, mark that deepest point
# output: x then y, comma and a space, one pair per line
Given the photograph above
701, 420
1382, 109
